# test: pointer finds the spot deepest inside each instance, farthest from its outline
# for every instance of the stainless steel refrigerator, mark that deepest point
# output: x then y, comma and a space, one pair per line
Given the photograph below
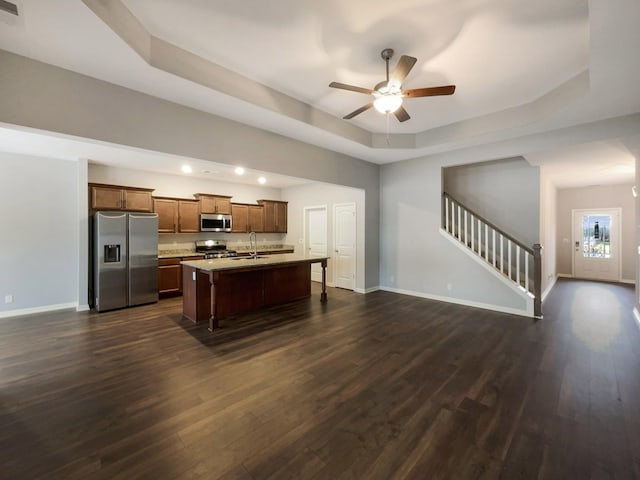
125, 259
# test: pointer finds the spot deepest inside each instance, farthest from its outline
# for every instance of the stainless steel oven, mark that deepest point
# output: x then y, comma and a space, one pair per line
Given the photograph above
210, 222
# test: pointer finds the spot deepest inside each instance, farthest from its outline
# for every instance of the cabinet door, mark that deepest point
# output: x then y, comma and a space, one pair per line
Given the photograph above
223, 205
188, 216
214, 204
256, 221
240, 218
167, 211
269, 215
106, 198
137, 200
169, 276
280, 217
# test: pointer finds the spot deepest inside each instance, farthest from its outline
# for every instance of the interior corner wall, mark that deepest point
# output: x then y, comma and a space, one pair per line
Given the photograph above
415, 257
506, 192
600, 196
548, 229
40, 233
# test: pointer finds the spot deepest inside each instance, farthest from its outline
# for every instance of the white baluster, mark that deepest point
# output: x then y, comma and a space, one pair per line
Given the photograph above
486, 242
459, 222
479, 238
526, 271
509, 247
501, 253
494, 246
518, 264
446, 214
466, 239
473, 240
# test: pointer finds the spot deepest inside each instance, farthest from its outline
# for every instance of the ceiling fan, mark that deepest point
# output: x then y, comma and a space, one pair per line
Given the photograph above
388, 93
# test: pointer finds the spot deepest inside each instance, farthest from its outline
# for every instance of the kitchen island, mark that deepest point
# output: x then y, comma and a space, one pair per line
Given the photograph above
213, 289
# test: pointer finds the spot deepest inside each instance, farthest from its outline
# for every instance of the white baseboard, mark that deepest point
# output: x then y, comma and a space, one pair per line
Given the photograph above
83, 308
29, 311
636, 314
367, 290
622, 280
459, 301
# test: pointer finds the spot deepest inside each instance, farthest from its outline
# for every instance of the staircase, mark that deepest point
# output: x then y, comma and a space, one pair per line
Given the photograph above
515, 262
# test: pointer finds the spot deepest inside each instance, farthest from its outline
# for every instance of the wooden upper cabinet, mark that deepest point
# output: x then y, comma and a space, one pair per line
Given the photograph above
256, 218
214, 203
275, 216
188, 216
115, 197
176, 215
246, 218
240, 218
167, 210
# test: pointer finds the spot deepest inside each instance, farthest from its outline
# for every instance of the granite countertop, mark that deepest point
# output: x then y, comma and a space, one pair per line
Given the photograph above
178, 253
232, 263
264, 249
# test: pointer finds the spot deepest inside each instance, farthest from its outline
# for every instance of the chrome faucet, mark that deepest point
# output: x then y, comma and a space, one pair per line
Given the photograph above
253, 244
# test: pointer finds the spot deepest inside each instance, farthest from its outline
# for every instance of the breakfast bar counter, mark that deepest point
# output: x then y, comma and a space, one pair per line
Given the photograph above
213, 289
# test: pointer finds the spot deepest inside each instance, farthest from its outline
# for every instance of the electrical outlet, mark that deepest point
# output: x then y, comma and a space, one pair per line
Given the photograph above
449, 286
8, 298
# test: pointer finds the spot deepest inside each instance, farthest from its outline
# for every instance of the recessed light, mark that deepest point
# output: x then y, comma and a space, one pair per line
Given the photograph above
239, 171
186, 169
262, 180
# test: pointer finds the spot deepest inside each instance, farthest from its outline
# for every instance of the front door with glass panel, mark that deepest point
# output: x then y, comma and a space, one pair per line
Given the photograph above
596, 244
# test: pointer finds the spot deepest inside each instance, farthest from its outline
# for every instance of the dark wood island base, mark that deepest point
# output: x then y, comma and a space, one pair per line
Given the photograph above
214, 289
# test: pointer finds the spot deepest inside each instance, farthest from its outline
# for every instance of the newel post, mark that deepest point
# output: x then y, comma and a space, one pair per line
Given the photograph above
537, 280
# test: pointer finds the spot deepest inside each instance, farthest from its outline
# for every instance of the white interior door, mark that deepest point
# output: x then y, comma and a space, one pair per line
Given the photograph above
596, 244
315, 235
344, 230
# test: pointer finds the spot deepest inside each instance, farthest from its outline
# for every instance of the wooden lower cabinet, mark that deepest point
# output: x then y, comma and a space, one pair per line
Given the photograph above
170, 275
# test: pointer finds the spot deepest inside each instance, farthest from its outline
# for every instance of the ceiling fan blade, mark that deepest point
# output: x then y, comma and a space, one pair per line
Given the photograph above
404, 66
401, 114
364, 108
429, 92
352, 88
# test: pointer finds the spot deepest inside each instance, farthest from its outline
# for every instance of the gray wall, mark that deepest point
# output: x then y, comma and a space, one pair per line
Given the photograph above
636, 204
415, 257
548, 230
604, 196
328, 195
49, 98
40, 233
505, 192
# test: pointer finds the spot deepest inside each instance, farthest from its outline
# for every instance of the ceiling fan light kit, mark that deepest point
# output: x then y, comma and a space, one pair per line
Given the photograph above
388, 94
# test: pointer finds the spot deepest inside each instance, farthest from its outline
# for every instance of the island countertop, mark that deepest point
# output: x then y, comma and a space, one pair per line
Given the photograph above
243, 263
221, 287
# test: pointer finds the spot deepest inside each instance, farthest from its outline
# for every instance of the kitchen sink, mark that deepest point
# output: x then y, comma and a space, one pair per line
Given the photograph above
248, 258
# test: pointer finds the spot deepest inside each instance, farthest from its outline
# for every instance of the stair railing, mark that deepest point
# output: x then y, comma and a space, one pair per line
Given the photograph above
518, 262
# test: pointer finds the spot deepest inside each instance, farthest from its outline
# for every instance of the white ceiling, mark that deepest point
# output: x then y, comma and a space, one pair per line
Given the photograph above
520, 67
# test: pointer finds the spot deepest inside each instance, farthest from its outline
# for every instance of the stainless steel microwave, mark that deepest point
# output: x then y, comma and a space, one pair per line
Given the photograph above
213, 222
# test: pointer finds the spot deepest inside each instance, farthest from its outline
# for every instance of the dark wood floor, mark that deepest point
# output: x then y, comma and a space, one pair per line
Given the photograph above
377, 386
